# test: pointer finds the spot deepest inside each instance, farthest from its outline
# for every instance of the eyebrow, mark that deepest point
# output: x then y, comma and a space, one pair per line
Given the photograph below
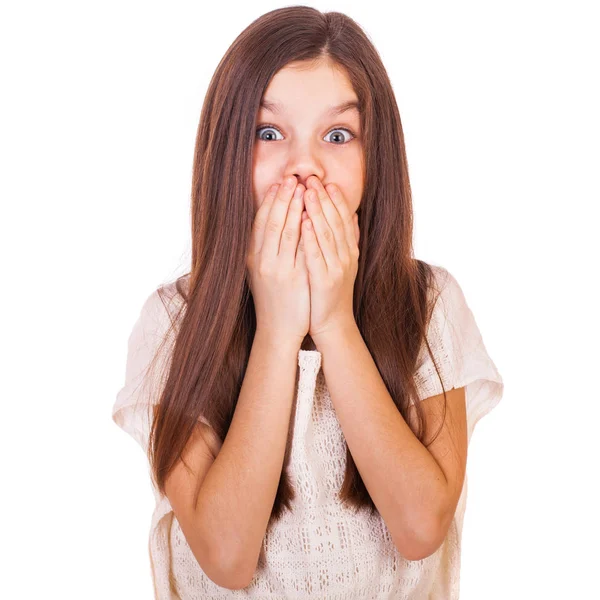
332, 111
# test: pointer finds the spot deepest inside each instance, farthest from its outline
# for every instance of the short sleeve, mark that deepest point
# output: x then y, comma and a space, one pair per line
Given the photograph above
132, 409
460, 353
145, 374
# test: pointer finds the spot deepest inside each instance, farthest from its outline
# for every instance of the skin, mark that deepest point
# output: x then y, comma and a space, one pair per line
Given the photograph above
307, 141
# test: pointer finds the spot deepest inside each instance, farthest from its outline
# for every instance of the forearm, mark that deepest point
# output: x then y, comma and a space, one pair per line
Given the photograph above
238, 493
404, 480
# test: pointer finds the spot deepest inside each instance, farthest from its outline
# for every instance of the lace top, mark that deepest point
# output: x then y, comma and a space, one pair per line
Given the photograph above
322, 549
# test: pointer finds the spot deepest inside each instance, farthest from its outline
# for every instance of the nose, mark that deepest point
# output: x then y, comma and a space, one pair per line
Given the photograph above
304, 162
302, 176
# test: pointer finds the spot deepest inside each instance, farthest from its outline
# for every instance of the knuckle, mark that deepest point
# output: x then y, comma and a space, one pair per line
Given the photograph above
259, 222
264, 268
272, 225
282, 195
289, 234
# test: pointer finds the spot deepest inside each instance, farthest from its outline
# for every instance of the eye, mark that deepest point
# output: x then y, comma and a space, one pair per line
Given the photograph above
269, 127
342, 129
272, 127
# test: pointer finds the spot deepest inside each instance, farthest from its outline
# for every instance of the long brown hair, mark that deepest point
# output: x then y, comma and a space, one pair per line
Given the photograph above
215, 323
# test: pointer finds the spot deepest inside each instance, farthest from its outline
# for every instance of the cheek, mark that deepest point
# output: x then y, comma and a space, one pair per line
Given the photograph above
258, 197
353, 190
265, 173
259, 185
350, 178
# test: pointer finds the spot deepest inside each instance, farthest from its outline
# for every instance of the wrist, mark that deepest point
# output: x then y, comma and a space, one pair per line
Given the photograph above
336, 335
277, 340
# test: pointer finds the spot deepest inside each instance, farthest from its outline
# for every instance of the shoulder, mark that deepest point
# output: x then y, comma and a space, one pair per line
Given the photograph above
443, 278
165, 301
450, 318
158, 316
444, 290
452, 324
173, 292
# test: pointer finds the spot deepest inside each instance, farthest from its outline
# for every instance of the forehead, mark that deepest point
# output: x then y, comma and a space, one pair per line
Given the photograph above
323, 89
278, 108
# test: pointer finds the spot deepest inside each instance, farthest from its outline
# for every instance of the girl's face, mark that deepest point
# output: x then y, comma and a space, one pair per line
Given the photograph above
300, 136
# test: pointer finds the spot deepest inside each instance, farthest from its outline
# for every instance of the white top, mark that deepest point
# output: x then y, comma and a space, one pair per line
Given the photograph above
322, 549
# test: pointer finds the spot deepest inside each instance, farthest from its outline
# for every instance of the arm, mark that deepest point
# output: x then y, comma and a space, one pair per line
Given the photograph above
237, 495
415, 489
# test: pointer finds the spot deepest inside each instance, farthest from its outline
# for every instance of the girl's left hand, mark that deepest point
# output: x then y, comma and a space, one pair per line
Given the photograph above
331, 252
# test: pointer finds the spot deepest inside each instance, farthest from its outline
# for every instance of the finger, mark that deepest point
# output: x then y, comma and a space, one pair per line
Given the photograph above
277, 217
300, 254
340, 202
300, 251
334, 221
315, 261
322, 232
304, 217
260, 219
356, 228
290, 235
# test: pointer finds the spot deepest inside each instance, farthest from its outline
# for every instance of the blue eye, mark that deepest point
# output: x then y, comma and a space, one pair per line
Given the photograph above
265, 127
272, 127
343, 129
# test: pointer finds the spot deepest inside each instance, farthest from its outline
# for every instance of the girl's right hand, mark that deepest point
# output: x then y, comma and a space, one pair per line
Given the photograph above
276, 266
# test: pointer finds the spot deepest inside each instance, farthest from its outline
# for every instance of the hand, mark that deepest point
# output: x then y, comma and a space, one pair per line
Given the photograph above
331, 253
276, 271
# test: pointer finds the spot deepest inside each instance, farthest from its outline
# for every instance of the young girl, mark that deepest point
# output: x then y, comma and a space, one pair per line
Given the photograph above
307, 392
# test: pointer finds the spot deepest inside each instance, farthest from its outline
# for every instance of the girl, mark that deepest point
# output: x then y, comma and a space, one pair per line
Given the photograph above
284, 389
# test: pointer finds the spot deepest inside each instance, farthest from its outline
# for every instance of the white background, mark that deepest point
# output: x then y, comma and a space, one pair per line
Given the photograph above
100, 105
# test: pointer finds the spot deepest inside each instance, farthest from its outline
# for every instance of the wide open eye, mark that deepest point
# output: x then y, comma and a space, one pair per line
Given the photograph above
345, 130
270, 128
